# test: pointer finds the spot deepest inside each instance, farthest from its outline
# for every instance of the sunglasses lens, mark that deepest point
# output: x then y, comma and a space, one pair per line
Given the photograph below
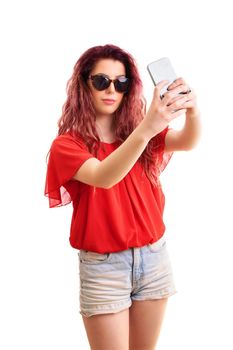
122, 84
100, 82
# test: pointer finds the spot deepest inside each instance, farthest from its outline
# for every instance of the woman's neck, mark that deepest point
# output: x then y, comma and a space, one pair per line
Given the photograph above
105, 128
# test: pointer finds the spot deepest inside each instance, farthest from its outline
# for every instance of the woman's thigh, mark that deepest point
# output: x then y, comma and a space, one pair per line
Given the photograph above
108, 331
145, 321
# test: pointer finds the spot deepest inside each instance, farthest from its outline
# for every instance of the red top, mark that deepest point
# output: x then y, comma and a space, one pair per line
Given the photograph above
130, 214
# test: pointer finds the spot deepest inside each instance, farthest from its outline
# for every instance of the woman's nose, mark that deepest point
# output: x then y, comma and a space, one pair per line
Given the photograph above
111, 88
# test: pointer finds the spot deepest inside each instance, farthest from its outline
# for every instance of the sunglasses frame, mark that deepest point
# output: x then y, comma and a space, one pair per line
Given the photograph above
114, 81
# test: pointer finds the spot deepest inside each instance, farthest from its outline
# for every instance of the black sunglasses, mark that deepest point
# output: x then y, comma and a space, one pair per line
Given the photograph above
102, 82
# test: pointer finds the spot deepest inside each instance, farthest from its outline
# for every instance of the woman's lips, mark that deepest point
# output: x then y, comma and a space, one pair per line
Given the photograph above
108, 101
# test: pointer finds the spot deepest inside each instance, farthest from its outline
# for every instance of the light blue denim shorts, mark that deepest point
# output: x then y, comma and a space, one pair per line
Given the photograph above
109, 282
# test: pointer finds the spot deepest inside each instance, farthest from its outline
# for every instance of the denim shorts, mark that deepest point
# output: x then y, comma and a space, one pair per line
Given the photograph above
109, 282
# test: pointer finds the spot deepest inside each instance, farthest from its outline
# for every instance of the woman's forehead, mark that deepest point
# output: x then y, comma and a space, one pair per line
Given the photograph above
109, 67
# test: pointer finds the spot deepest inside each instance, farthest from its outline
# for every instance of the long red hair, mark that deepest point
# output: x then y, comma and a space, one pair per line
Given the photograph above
78, 114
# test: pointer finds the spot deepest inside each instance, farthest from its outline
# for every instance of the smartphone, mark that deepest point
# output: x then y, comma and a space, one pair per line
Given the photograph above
162, 69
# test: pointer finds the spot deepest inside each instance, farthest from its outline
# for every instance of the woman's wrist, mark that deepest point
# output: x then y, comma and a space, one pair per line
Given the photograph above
144, 131
193, 112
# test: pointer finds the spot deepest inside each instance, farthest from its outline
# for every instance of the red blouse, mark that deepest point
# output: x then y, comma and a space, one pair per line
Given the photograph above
130, 214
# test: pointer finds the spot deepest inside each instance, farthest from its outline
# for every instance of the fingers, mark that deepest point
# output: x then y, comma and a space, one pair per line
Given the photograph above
179, 96
174, 93
185, 102
177, 87
191, 101
179, 102
181, 83
176, 100
177, 82
178, 113
158, 88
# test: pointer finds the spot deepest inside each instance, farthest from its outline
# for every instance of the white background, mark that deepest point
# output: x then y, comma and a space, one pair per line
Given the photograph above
40, 43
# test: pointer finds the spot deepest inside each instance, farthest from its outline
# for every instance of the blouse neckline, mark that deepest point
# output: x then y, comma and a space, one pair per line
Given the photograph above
109, 143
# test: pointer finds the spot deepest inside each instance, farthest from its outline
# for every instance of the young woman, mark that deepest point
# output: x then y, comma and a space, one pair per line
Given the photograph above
106, 160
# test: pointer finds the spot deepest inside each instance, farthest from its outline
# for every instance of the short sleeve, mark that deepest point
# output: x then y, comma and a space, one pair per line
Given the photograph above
66, 156
162, 158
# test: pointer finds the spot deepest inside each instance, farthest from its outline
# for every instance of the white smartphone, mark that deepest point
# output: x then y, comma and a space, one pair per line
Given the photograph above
162, 69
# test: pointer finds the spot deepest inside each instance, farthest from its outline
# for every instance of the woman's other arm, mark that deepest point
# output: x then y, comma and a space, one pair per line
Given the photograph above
186, 138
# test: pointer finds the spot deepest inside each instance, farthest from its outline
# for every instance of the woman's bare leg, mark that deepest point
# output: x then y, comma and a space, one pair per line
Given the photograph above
145, 320
108, 331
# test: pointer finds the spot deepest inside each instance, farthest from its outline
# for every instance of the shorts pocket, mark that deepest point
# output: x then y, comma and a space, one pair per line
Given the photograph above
157, 246
92, 258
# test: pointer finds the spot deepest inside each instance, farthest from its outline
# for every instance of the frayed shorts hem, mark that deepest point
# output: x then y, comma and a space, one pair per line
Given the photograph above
154, 296
114, 308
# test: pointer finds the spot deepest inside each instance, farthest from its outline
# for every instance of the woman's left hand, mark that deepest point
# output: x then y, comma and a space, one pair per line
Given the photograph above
190, 104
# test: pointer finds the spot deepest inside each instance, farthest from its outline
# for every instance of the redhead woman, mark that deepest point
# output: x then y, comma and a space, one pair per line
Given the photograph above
106, 159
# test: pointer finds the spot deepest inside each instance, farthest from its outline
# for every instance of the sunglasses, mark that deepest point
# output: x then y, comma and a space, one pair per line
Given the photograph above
102, 82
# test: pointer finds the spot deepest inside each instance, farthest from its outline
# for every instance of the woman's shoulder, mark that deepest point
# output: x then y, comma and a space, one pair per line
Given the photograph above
68, 139
68, 136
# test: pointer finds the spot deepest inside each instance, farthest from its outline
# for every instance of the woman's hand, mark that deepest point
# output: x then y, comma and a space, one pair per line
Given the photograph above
163, 110
186, 138
190, 104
